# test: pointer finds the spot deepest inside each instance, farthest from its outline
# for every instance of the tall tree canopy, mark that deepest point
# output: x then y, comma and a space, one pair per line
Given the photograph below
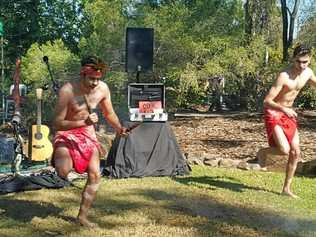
29, 21
195, 40
262, 18
307, 33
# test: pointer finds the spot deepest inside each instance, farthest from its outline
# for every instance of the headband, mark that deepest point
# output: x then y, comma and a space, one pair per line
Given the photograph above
93, 70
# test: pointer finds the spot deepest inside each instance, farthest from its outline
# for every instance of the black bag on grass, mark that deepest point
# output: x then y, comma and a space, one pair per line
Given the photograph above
19, 183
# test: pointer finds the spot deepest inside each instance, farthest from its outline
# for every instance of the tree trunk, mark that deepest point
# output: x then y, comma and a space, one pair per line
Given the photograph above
248, 20
285, 30
288, 26
292, 22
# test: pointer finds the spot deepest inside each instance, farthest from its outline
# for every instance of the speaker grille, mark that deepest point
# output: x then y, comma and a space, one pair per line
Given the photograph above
139, 49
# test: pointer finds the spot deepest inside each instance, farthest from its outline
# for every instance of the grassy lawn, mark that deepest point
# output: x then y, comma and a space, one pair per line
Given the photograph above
209, 202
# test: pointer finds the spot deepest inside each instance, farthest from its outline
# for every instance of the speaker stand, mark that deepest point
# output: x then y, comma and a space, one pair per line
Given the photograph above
139, 69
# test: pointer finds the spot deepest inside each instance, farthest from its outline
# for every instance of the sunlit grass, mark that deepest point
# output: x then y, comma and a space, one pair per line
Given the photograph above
209, 202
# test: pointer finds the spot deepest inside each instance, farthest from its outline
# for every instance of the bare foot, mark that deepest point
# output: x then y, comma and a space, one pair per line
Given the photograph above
289, 194
86, 223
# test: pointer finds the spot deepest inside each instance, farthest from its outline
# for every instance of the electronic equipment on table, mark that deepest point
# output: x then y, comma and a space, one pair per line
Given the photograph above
146, 102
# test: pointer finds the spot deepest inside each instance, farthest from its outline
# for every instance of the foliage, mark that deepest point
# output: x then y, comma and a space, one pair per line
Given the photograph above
64, 20
21, 26
194, 42
307, 97
262, 18
182, 46
62, 61
106, 41
214, 17
307, 33
108, 24
64, 66
27, 22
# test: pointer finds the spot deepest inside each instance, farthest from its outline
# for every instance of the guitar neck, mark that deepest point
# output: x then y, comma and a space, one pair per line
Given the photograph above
39, 109
39, 113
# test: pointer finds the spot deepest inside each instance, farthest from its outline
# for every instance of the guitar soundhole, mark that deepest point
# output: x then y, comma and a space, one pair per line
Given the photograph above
38, 136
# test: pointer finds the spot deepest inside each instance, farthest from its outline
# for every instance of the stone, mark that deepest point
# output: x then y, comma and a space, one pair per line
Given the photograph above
213, 162
254, 167
243, 165
195, 161
211, 155
271, 160
228, 163
195, 155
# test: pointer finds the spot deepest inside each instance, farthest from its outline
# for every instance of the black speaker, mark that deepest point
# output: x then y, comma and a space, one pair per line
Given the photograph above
139, 49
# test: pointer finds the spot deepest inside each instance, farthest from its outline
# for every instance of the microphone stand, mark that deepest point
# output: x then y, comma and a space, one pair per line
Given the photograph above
55, 84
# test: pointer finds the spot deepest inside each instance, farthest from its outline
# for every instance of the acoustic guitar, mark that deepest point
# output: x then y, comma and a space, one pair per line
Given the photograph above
41, 148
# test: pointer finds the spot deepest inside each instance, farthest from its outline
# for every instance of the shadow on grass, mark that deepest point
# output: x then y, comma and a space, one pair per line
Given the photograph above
219, 182
225, 219
24, 211
114, 207
179, 208
174, 208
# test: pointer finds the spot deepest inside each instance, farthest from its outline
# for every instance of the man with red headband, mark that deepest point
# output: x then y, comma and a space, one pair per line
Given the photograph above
280, 116
75, 143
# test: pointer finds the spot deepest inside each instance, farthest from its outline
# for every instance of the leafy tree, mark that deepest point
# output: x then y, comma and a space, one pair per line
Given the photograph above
108, 29
194, 41
188, 37
108, 22
64, 66
30, 21
306, 13
307, 33
263, 18
60, 19
21, 26
307, 99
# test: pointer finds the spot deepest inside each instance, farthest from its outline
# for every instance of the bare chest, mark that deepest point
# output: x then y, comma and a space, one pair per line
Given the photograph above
297, 83
81, 102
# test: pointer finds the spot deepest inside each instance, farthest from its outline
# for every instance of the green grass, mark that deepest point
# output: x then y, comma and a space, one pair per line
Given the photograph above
209, 202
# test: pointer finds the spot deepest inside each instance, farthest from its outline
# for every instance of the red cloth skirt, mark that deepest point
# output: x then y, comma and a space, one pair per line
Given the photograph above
81, 142
276, 117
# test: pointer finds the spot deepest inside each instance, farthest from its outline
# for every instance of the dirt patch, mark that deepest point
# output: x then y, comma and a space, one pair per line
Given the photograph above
237, 136
234, 136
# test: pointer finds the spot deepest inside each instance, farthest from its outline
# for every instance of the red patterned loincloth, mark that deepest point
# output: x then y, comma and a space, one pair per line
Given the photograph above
276, 117
81, 142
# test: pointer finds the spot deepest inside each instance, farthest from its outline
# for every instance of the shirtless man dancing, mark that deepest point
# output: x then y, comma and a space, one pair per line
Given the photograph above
280, 116
75, 142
